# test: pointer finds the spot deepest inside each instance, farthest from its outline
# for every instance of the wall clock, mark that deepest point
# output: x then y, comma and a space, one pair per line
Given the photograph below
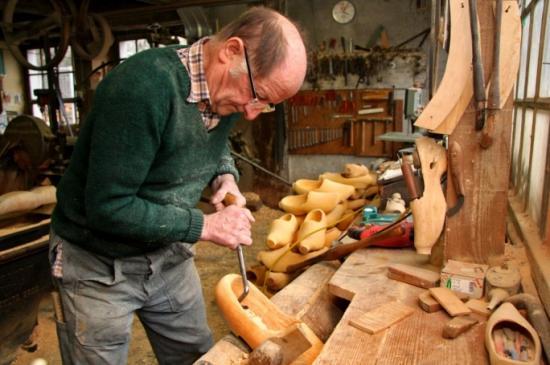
343, 11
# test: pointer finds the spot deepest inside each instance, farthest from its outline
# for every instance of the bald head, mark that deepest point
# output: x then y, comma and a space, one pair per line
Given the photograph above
274, 44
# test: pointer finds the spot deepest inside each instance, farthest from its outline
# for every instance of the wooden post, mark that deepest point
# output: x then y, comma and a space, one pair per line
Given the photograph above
477, 232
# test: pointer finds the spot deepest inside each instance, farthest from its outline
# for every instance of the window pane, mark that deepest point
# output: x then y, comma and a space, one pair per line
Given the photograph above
523, 61
37, 113
66, 85
142, 45
525, 153
535, 49
538, 168
544, 91
126, 48
66, 63
34, 56
517, 142
37, 81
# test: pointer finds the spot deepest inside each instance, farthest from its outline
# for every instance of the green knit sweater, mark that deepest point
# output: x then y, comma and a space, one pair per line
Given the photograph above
142, 159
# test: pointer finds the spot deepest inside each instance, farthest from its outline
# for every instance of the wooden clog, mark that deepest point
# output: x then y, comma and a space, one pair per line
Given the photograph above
281, 231
305, 203
334, 215
303, 186
359, 182
280, 259
508, 317
312, 232
355, 170
429, 211
331, 235
257, 319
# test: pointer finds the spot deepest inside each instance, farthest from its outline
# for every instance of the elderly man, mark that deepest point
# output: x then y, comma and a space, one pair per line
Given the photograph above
125, 221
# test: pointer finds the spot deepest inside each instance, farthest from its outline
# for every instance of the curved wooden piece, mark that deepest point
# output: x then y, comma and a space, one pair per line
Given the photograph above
429, 210
17, 201
456, 88
257, 319
510, 42
312, 232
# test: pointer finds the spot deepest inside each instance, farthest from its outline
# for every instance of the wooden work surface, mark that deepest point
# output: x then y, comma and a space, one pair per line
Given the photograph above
417, 339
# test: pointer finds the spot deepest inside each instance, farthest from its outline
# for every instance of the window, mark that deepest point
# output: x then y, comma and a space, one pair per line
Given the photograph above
131, 47
38, 80
530, 158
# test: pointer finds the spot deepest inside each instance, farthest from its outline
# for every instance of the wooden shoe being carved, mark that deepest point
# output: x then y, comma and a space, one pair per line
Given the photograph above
305, 203
312, 232
304, 186
281, 231
257, 319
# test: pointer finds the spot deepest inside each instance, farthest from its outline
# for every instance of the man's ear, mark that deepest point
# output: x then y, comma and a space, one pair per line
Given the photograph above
231, 48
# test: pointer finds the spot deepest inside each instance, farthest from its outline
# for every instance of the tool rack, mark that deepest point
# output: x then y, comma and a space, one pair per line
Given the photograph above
344, 122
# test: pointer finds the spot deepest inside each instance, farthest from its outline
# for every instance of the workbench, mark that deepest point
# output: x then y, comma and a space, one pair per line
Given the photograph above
362, 280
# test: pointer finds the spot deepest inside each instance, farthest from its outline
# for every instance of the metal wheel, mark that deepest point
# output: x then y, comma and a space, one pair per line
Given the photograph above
55, 23
92, 34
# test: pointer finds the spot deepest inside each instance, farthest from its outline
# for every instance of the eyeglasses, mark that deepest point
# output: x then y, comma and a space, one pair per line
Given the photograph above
255, 103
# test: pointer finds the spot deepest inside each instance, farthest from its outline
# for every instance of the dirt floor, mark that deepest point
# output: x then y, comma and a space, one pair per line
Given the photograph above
212, 261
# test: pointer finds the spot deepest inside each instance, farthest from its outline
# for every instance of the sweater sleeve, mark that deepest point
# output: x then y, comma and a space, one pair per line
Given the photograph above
128, 122
226, 165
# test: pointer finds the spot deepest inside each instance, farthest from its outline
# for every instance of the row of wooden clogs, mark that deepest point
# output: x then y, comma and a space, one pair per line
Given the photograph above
317, 216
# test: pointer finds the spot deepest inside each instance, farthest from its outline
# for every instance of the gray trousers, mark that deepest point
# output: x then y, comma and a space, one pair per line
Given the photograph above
100, 295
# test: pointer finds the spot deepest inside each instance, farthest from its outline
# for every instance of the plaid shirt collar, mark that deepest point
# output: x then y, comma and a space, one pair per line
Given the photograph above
193, 59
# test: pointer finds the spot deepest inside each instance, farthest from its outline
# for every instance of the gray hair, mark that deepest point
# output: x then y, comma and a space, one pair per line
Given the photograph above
261, 30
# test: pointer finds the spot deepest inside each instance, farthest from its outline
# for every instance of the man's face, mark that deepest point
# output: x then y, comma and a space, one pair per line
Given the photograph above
243, 93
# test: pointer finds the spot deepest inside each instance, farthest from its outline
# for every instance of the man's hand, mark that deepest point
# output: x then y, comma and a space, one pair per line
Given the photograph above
222, 185
229, 227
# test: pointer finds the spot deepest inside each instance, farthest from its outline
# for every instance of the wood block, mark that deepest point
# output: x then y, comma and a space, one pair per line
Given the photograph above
479, 306
382, 317
413, 275
281, 350
458, 325
449, 301
428, 303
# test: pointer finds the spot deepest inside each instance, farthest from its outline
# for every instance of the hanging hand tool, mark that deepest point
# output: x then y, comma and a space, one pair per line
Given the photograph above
494, 91
231, 199
479, 78
457, 170
343, 40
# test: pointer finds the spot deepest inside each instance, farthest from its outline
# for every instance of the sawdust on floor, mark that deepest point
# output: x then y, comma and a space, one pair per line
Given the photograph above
212, 261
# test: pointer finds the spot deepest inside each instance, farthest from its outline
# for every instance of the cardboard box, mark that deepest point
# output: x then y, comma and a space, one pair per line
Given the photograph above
464, 277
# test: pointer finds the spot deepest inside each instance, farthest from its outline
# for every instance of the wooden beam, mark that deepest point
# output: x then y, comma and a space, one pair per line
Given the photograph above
477, 232
536, 251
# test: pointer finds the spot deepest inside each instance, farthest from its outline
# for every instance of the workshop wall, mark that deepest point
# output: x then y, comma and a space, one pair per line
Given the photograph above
12, 84
400, 20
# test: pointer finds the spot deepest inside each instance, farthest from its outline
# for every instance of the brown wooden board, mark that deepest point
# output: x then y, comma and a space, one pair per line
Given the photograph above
415, 340
449, 301
413, 275
382, 317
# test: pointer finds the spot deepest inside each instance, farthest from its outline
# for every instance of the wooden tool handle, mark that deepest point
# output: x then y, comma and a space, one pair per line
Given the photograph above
457, 168
229, 199
410, 182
